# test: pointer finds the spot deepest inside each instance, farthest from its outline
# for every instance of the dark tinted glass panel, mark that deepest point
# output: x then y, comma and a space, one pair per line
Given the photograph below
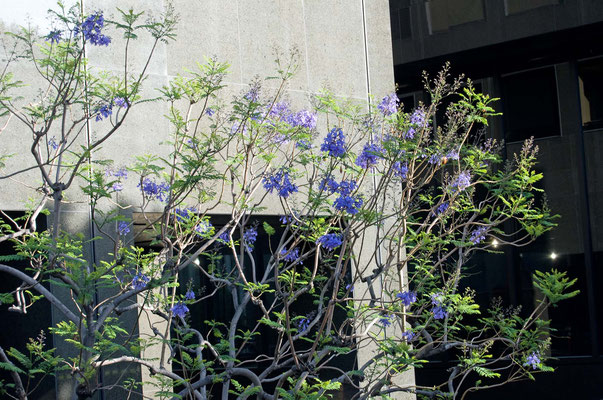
590, 74
518, 6
530, 104
400, 19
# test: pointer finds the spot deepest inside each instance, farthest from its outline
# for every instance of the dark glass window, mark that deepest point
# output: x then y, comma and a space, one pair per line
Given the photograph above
518, 6
530, 104
590, 79
443, 14
399, 15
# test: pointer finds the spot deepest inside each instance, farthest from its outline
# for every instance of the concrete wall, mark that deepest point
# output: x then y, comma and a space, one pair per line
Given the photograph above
344, 45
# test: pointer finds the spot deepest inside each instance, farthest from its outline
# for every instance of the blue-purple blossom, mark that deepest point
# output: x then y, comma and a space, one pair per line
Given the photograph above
152, 190
385, 320
210, 112
184, 214
435, 159
418, 121
439, 310
123, 228
442, 208
103, 112
303, 144
400, 169
91, 29
225, 237
253, 94
334, 143
349, 287
452, 155
140, 281
478, 235
280, 182
407, 298
533, 360
117, 187
54, 36
286, 219
371, 153
52, 142
346, 202
249, 237
408, 336
330, 241
329, 184
121, 173
303, 324
179, 310
236, 127
389, 104
203, 228
418, 118
304, 119
189, 295
462, 182
121, 102
349, 204
290, 255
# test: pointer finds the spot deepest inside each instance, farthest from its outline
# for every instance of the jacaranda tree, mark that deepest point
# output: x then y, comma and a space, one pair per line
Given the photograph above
332, 242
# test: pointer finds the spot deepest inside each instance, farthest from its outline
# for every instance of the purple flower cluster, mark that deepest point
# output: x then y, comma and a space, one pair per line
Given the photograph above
225, 237
418, 120
249, 237
533, 360
91, 29
478, 235
442, 208
389, 104
304, 119
280, 182
123, 228
120, 102
407, 298
54, 36
330, 241
179, 310
385, 320
462, 182
439, 310
371, 153
290, 255
203, 228
253, 95
52, 142
140, 281
408, 336
106, 110
184, 214
189, 295
334, 143
346, 201
103, 112
303, 324
400, 169
152, 190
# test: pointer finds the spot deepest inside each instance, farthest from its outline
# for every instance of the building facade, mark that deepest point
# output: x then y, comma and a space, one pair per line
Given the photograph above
544, 60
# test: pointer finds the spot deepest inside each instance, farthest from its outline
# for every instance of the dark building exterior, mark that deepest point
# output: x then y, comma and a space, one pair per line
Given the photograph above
544, 60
